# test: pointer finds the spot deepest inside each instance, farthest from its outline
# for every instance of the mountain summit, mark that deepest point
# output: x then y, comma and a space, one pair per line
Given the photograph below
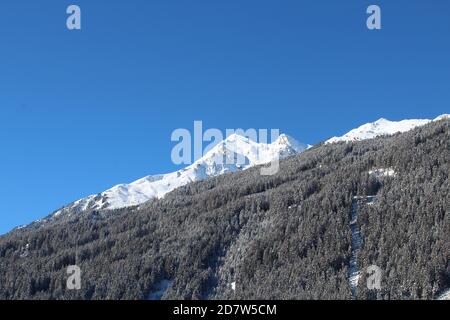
235, 153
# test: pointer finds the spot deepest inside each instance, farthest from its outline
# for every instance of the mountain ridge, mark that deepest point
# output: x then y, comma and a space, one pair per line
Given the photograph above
220, 159
382, 127
213, 163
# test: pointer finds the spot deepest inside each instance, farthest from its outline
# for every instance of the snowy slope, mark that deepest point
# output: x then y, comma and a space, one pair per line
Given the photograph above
445, 295
354, 273
233, 154
382, 127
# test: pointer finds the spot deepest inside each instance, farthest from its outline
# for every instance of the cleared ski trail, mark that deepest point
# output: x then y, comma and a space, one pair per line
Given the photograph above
354, 272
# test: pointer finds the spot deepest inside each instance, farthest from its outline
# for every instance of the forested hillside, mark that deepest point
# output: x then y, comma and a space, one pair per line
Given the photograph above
247, 236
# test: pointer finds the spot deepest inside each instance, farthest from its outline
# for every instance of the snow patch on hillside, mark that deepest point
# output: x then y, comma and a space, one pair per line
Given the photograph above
383, 172
445, 295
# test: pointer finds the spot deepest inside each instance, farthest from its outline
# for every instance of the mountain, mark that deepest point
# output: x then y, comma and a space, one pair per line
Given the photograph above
221, 159
233, 154
382, 127
244, 235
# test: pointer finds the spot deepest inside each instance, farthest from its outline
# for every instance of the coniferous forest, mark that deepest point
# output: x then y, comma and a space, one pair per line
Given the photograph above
247, 236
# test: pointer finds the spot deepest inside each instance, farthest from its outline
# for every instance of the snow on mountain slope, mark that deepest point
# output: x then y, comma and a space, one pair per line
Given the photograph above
233, 154
382, 127
219, 160
445, 295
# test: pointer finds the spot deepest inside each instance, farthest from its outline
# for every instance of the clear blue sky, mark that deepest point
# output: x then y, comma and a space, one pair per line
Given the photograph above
81, 111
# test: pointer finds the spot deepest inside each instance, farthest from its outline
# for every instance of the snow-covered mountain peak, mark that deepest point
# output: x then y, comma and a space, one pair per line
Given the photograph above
235, 153
382, 127
287, 141
381, 121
